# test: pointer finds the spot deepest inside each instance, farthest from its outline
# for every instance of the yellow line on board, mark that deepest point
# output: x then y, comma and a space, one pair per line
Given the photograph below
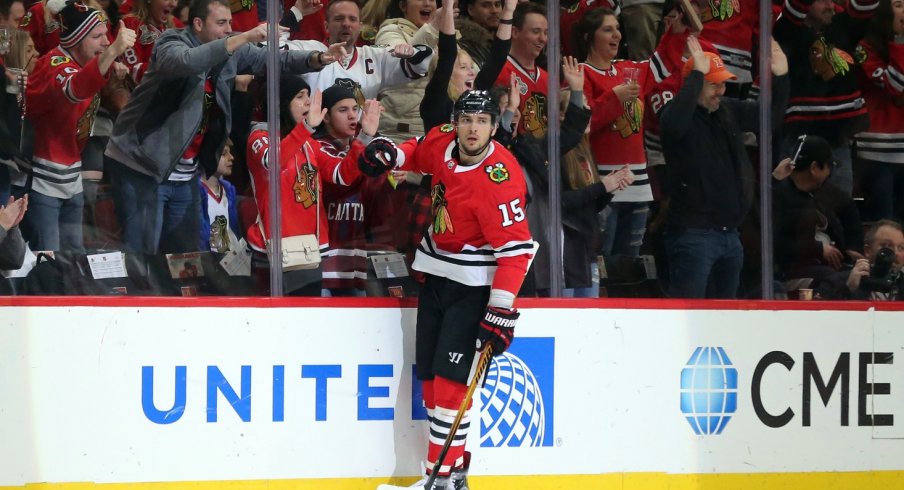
860, 480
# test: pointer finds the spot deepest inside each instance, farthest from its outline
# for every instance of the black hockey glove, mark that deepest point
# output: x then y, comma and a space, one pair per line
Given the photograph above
378, 157
498, 328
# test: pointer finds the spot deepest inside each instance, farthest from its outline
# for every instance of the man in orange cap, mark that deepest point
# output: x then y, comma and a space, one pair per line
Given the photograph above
711, 178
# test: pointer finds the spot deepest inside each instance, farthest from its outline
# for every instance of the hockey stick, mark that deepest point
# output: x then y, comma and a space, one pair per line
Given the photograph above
484, 361
690, 13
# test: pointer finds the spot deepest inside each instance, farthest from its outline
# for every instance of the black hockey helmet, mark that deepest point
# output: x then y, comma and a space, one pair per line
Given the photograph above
476, 102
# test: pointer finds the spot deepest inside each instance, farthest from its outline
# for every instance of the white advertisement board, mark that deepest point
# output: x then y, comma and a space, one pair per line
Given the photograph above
157, 394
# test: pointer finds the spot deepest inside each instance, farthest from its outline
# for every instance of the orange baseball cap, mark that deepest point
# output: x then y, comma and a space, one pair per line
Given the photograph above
717, 71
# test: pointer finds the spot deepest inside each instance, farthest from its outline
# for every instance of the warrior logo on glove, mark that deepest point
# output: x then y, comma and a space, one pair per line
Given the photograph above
498, 328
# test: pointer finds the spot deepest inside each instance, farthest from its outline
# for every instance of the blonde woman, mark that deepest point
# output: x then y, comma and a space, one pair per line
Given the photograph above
456, 72
14, 148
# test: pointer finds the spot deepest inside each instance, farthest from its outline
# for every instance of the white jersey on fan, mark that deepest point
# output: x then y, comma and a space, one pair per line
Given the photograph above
367, 69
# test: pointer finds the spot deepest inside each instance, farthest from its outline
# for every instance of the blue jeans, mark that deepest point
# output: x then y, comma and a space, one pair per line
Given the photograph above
704, 262
135, 197
179, 216
56, 224
624, 225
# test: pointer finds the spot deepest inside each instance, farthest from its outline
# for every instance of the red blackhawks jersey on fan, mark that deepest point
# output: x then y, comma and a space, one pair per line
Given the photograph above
44, 33
138, 56
345, 265
301, 173
730, 25
63, 98
882, 82
533, 90
616, 128
479, 235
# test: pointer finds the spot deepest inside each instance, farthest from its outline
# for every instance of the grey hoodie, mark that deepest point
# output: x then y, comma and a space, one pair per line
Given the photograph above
165, 111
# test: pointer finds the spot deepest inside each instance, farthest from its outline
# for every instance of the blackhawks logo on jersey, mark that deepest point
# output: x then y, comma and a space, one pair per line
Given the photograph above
446, 128
59, 60
147, 34
630, 121
442, 222
827, 61
720, 10
533, 119
305, 186
25, 20
497, 172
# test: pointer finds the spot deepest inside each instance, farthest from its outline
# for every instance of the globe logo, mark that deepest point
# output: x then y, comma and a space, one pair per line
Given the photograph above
513, 410
709, 390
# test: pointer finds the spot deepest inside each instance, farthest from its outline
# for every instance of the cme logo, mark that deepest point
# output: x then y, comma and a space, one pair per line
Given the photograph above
709, 390
517, 398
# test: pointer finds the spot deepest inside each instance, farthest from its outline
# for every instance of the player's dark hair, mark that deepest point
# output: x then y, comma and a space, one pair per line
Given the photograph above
525, 8
201, 9
584, 30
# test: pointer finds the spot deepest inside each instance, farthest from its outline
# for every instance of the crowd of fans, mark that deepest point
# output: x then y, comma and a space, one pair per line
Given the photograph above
140, 127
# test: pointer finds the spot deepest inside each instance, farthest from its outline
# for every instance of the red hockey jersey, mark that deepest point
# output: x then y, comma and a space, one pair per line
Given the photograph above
301, 175
63, 98
479, 235
882, 82
45, 33
616, 128
138, 56
731, 26
533, 90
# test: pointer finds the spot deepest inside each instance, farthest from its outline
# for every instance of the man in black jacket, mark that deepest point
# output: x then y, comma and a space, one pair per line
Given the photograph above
711, 176
816, 226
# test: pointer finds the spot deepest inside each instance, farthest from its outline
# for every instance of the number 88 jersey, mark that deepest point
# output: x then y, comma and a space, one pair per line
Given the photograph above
478, 235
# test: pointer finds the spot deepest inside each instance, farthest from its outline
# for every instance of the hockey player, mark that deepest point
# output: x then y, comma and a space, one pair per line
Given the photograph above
63, 96
365, 69
474, 257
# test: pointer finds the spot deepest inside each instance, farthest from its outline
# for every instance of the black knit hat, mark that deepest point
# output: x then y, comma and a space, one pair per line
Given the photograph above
334, 94
289, 86
76, 20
